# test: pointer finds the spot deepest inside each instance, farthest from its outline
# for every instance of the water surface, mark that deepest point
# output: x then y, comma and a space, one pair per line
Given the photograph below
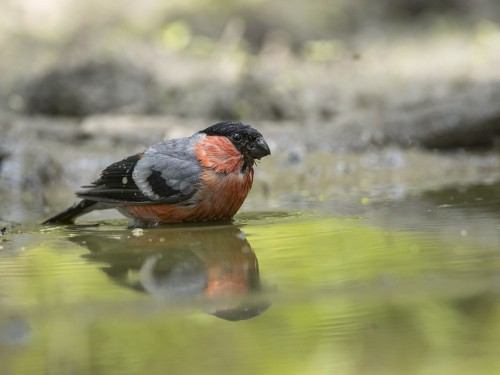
401, 287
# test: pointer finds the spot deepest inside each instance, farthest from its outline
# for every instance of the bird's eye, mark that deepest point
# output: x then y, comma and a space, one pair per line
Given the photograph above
237, 137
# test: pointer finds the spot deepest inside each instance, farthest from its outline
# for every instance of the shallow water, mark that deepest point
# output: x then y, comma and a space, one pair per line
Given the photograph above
401, 287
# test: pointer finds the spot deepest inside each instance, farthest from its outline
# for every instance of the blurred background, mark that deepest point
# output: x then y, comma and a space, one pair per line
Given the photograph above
387, 71
393, 78
375, 88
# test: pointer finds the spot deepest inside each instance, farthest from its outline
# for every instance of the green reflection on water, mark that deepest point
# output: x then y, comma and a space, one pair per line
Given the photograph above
337, 296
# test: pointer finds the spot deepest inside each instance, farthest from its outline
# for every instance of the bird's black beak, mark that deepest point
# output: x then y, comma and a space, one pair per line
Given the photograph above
259, 148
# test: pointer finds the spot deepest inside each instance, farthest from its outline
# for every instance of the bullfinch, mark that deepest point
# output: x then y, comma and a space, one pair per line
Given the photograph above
203, 177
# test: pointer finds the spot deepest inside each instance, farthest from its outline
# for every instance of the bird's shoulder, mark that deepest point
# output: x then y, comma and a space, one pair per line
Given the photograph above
169, 165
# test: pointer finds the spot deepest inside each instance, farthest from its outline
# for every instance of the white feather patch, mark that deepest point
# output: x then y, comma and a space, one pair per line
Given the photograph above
140, 177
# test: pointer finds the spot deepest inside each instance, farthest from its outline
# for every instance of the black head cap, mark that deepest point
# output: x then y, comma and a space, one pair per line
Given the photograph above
245, 138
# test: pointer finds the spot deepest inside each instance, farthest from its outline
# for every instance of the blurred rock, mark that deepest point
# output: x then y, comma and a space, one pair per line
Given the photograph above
469, 119
412, 9
92, 87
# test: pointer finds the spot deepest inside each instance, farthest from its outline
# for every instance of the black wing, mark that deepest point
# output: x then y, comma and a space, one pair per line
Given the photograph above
116, 185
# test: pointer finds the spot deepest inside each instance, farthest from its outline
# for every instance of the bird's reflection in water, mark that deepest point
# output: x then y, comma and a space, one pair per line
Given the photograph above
214, 264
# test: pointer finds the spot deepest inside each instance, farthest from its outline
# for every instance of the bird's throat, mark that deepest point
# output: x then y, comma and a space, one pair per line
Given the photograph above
220, 154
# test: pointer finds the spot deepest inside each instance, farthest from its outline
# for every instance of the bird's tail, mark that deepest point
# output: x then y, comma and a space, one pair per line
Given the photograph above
69, 215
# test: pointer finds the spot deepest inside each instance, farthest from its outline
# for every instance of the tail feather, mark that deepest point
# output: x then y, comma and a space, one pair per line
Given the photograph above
69, 215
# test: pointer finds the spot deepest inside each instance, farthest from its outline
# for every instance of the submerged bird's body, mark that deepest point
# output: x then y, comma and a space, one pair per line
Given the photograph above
203, 177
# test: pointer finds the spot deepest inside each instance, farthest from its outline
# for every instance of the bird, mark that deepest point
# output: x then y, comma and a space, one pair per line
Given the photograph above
206, 176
